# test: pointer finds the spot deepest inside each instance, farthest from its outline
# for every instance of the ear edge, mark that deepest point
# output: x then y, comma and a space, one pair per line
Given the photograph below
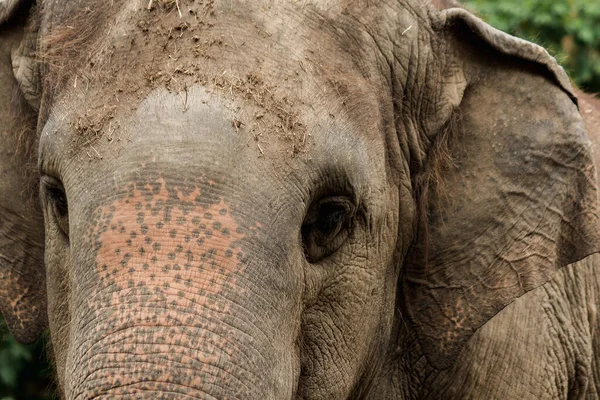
507, 44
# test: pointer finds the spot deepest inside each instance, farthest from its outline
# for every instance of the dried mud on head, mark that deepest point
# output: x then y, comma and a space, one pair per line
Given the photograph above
172, 45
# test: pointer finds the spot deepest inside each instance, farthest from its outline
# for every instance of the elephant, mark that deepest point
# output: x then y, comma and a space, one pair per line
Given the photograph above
294, 200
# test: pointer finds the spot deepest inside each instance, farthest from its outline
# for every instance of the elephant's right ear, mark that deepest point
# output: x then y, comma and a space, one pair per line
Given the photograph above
519, 199
22, 275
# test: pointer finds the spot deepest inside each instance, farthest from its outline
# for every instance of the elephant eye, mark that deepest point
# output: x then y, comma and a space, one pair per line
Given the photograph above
59, 199
57, 204
326, 227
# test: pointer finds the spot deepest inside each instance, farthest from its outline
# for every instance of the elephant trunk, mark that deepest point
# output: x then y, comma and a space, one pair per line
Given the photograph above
177, 304
212, 353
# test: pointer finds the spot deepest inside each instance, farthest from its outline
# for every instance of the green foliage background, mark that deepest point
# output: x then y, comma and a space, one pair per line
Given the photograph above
570, 29
24, 372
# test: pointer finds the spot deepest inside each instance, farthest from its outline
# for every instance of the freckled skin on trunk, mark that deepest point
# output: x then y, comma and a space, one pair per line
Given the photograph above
171, 311
589, 106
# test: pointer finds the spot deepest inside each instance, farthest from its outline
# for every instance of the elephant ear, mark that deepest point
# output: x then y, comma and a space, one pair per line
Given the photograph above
518, 200
23, 288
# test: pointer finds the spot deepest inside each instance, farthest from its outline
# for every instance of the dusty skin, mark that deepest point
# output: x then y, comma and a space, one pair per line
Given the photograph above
222, 199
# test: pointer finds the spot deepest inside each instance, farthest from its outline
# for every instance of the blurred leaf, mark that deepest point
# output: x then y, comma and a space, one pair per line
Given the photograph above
24, 372
569, 26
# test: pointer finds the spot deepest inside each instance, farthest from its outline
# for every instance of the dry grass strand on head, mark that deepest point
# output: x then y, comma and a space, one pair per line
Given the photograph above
70, 43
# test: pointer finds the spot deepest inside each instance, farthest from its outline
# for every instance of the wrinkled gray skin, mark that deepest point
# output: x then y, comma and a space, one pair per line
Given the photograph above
313, 200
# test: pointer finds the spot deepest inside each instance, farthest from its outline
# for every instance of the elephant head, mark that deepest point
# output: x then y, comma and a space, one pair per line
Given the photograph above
277, 199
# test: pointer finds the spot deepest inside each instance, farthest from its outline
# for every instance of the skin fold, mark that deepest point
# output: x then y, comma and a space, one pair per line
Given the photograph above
295, 200
590, 109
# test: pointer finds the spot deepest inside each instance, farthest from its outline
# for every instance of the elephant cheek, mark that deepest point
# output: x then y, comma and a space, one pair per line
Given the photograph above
170, 307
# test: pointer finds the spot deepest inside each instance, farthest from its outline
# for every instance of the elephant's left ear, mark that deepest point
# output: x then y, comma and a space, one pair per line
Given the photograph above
519, 199
22, 274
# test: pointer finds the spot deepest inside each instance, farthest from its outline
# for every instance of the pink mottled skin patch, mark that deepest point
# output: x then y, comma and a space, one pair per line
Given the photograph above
198, 244
169, 262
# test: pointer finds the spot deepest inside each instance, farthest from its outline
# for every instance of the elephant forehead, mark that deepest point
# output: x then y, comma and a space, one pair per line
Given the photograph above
275, 66
193, 116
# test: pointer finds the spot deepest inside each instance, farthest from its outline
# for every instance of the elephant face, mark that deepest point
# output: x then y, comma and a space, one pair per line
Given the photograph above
238, 217
280, 200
